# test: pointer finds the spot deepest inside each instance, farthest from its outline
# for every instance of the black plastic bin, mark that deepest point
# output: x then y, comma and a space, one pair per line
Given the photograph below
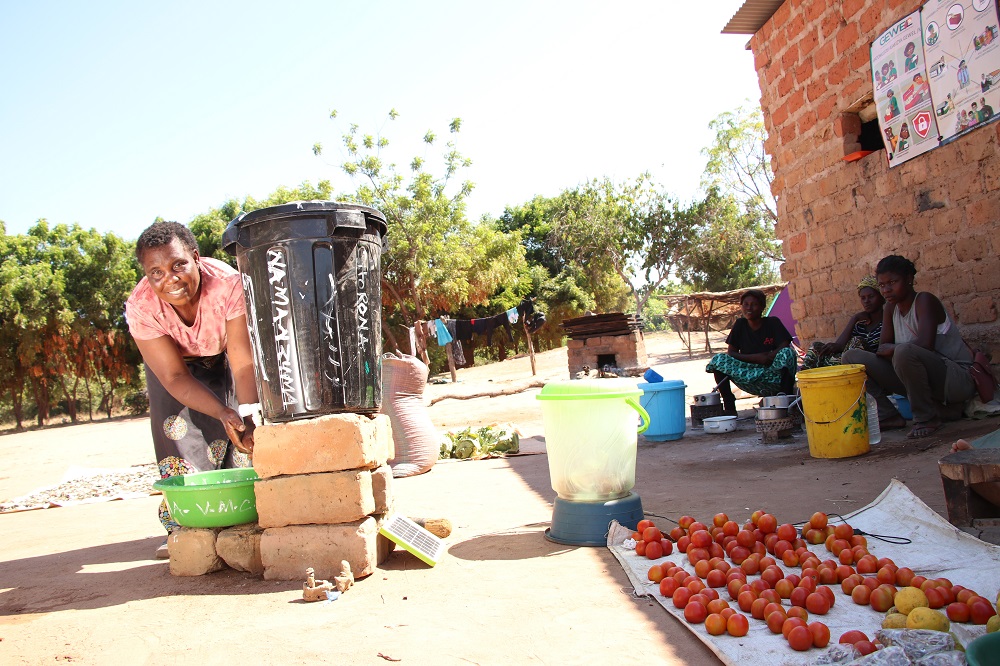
312, 284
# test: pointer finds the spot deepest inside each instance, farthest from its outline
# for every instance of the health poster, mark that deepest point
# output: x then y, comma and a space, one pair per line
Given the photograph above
902, 94
962, 47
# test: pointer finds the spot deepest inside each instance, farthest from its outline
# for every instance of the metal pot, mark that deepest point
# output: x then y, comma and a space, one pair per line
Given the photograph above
770, 413
705, 399
781, 400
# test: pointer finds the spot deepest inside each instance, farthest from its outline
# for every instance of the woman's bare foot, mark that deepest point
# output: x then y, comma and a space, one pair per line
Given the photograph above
960, 445
892, 423
924, 429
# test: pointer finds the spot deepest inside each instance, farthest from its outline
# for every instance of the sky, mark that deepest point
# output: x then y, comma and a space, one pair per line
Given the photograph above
115, 113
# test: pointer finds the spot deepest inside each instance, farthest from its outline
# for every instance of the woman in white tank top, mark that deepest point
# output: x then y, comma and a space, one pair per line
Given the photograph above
921, 354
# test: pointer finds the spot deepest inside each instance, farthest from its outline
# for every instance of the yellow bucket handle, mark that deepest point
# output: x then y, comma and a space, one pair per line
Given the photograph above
634, 404
803, 408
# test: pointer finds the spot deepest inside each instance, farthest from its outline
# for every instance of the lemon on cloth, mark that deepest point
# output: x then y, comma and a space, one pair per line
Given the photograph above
894, 621
909, 598
993, 624
927, 618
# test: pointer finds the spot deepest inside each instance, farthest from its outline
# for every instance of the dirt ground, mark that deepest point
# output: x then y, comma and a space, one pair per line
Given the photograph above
78, 584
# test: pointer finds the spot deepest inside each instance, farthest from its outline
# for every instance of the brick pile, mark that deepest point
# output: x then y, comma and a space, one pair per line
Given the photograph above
324, 490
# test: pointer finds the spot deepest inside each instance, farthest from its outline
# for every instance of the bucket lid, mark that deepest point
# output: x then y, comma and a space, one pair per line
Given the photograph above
665, 385
346, 215
830, 372
582, 389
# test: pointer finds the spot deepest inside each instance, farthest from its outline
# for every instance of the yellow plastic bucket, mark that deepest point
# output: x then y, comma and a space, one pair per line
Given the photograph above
835, 409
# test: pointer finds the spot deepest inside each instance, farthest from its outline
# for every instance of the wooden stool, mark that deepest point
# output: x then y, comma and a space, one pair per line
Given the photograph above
971, 481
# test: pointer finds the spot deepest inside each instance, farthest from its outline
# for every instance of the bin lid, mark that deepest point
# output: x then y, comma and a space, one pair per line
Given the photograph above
582, 389
307, 209
665, 385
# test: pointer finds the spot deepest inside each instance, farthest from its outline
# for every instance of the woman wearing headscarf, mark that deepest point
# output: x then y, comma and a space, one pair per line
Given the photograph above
863, 331
921, 354
760, 359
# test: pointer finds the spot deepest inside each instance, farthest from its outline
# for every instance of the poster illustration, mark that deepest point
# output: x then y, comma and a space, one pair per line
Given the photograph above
903, 95
962, 47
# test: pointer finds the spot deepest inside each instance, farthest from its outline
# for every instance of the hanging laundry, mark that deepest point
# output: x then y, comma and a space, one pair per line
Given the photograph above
457, 352
512, 315
443, 337
463, 329
431, 329
500, 320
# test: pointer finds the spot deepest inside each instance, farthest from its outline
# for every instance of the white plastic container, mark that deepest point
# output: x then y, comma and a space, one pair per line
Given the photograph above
874, 431
591, 437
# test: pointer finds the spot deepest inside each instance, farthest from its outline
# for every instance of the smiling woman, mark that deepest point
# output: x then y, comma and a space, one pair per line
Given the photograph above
188, 318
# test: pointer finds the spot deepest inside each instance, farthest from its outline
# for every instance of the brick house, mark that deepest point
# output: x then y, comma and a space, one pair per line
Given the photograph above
836, 218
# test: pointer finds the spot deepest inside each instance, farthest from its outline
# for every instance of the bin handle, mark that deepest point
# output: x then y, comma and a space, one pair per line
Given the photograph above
634, 404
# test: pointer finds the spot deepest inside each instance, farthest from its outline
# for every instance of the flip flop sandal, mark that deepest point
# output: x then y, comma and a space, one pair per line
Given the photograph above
921, 430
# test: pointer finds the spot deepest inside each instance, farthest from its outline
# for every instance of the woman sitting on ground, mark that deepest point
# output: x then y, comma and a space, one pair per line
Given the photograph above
760, 359
862, 332
921, 354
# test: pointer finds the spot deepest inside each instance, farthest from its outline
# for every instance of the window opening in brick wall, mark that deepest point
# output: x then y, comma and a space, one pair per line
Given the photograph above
606, 360
871, 136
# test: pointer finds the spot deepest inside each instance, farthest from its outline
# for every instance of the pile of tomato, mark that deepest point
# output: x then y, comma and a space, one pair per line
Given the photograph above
725, 554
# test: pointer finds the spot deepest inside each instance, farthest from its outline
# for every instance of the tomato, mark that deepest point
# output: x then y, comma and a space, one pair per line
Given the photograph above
745, 538
771, 595
710, 593
746, 599
861, 594
981, 610
886, 575
668, 586
784, 588
817, 604
787, 532
844, 572
853, 636
818, 520
677, 533
696, 526
767, 523
640, 548
790, 623
959, 612
730, 528
865, 647
717, 605
681, 596
695, 613
775, 621
799, 638
820, 634
655, 573
651, 534
727, 612
757, 608
843, 531
750, 566
716, 578
935, 597
720, 519
828, 593
739, 554
685, 522
683, 543
734, 587
701, 568
695, 586
737, 625
643, 524
771, 607
799, 612
715, 624
789, 558
798, 596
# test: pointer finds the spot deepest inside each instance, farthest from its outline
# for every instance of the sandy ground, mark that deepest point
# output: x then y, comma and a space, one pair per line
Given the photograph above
78, 584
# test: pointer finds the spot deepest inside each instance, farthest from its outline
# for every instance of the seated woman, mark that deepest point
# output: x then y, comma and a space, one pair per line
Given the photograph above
921, 354
760, 359
862, 332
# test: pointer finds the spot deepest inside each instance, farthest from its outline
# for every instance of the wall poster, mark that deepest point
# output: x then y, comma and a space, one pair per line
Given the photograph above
936, 75
902, 94
962, 44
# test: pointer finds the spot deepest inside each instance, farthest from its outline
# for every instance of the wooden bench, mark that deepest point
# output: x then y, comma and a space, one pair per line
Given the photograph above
971, 482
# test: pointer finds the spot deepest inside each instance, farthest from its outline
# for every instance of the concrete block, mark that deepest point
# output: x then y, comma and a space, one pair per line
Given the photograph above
192, 552
329, 443
288, 551
239, 547
314, 499
382, 489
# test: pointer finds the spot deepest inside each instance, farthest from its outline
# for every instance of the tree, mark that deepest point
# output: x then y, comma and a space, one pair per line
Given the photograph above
727, 252
436, 259
737, 163
633, 230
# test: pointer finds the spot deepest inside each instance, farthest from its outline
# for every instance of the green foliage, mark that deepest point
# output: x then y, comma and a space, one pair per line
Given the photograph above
733, 247
437, 260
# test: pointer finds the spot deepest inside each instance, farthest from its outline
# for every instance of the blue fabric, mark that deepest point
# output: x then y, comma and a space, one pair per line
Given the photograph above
444, 337
512, 315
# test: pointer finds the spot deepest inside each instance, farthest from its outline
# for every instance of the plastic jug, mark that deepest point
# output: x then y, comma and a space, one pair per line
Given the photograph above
874, 431
591, 436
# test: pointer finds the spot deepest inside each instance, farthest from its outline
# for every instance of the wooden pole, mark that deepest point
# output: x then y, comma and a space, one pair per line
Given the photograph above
451, 362
531, 347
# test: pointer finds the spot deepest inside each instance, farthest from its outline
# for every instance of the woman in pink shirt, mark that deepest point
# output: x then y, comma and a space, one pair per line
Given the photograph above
188, 318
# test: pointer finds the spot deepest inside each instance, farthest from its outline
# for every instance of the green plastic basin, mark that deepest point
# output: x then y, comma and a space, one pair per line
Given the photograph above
984, 651
219, 498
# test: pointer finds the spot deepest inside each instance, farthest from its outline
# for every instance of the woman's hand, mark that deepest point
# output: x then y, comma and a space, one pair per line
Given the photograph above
885, 350
830, 349
234, 425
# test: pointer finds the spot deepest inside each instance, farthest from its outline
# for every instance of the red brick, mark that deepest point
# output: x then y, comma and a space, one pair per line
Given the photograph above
788, 133
795, 101
979, 310
814, 10
314, 499
839, 71
853, 88
804, 71
790, 57
815, 90
808, 41
288, 551
327, 443
798, 243
785, 85
778, 117
823, 55
986, 274
382, 489
780, 16
760, 59
777, 42
830, 25
871, 19
847, 38
826, 107
983, 211
851, 7
847, 124
826, 256
807, 121
796, 24
971, 248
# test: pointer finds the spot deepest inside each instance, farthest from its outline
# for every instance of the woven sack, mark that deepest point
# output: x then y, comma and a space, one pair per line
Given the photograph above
416, 439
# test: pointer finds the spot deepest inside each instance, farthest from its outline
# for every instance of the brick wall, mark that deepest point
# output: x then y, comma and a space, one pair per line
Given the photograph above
837, 219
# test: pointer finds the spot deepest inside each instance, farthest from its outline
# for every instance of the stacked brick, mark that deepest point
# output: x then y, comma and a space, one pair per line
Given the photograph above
837, 218
629, 351
324, 490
